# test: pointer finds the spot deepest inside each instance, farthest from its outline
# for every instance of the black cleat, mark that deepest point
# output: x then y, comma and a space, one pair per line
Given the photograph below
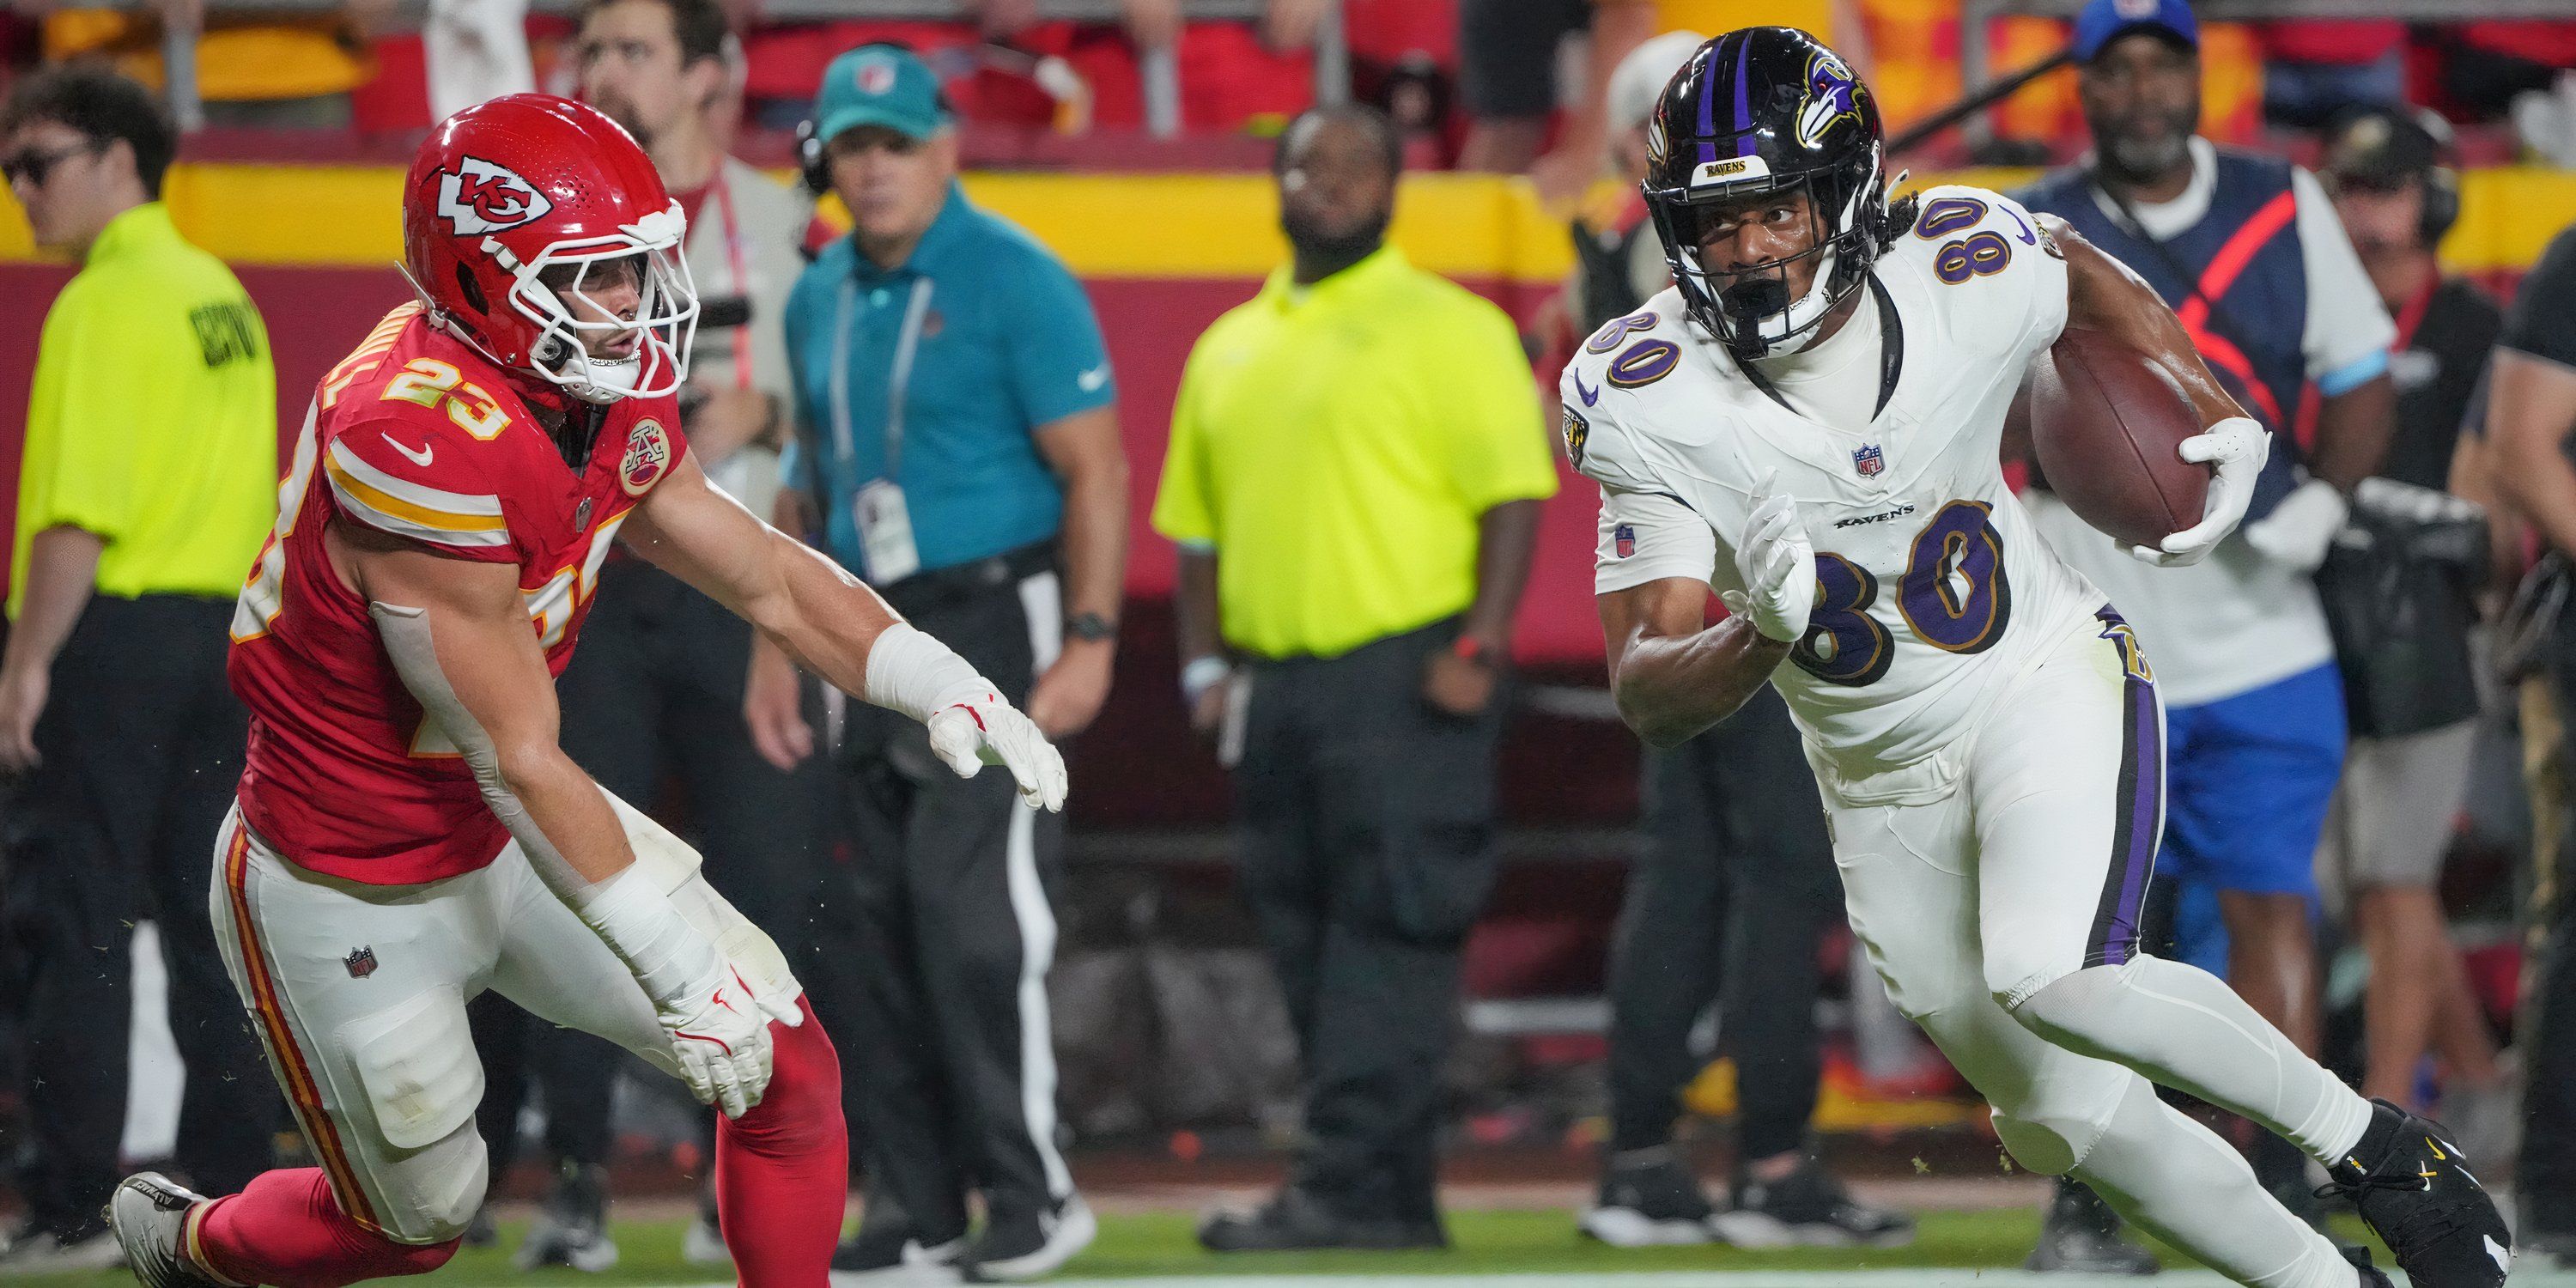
2421, 1199
2371, 1276
149, 1214
1016, 1247
572, 1228
1294, 1220
1648, 1199
2082, 1236
1808, 1208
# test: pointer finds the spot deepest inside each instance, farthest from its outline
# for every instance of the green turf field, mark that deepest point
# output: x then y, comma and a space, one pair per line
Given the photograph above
1158, 1246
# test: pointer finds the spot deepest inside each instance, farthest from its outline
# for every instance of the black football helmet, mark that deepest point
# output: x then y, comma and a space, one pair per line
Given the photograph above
1761, 110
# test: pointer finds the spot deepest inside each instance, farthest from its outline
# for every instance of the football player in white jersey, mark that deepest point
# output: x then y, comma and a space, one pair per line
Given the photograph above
1809, 422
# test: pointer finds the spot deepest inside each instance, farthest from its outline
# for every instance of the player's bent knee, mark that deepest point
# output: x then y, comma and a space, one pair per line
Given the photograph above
2014, 975
417, 1063
2068, 1009
2043, 1148
2055, 1128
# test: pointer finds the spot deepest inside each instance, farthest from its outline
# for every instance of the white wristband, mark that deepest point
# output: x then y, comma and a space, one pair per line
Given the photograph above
910, 672
1201, 674
641, 925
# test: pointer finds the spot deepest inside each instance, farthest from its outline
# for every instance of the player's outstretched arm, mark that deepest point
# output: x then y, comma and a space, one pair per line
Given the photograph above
1671, 676
837, 627
458, 634
2102, 294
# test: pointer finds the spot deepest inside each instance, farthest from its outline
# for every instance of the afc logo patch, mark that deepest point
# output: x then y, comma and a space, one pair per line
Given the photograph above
361, 962
481, 197
648, 454
1869, 460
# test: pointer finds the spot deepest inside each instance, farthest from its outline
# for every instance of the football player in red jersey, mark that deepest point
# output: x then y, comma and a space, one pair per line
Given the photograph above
409, 832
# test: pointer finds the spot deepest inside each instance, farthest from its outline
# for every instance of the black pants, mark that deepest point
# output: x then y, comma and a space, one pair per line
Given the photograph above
1366, 822
1730, 898
654, 693
141, 742
2546, 1176
951, 915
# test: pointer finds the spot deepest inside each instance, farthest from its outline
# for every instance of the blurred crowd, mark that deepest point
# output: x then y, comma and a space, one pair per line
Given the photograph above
1322, 590
1494, 85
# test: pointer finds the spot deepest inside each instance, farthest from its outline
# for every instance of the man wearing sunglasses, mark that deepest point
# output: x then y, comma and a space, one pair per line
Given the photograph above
147, 482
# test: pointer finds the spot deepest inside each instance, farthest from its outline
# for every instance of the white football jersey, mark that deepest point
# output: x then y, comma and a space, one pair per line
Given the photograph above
1933, 589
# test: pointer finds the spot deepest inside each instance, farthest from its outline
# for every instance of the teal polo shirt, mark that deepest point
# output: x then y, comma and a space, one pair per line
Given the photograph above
934, 374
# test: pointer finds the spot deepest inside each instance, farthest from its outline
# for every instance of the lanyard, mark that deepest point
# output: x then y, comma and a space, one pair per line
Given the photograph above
2412, 316
740, 265
898, 381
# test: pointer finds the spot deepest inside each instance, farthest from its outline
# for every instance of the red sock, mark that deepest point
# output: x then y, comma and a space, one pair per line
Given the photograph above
783, 1169
286, 1229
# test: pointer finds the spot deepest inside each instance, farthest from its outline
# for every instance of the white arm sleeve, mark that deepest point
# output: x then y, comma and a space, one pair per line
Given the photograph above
1648, 536
2348, 330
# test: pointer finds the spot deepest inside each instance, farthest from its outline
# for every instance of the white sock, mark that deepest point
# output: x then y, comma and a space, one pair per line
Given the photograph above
2183, 1028
2177, 1180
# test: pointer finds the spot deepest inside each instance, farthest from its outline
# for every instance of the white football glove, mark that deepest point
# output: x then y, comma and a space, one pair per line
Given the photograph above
718, 1024
988, 731
2238, 447
1777, 565
720, 1035
2301, 529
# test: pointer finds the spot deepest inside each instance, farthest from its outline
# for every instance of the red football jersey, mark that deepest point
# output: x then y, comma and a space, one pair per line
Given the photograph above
417, 435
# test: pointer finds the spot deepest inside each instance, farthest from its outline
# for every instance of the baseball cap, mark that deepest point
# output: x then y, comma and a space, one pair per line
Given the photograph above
2104, 21
2383, 147
879, 85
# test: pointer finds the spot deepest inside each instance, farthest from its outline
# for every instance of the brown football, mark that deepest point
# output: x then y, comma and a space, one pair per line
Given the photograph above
2105, 423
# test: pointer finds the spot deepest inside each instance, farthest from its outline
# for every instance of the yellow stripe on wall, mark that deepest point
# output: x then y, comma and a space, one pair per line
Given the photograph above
1160, 226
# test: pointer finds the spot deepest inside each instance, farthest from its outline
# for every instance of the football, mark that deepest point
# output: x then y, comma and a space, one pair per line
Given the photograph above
2105, 423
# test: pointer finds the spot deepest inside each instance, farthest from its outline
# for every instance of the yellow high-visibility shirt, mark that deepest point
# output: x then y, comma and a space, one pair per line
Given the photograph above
1338, 444
153, 418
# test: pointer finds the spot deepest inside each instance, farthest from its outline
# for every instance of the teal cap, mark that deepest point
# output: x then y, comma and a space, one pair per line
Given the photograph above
879, 85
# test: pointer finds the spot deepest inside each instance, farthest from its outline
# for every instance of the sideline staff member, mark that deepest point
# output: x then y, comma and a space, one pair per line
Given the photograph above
149, 478
1354, 476
957, 437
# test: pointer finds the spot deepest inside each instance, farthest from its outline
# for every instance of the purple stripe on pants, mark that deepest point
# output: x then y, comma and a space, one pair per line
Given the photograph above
2137, 858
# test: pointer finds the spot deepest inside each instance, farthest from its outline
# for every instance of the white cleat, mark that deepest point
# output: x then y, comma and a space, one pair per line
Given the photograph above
148, 1215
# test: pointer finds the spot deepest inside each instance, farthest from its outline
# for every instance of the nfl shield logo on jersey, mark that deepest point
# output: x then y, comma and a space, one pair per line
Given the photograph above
1868, 460
1624, 539
361, 962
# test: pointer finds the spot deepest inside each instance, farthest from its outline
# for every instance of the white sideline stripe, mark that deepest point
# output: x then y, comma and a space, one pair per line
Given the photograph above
1041, 599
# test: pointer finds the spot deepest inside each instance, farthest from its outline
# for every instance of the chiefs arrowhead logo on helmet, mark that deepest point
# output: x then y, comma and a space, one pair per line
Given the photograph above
480, 197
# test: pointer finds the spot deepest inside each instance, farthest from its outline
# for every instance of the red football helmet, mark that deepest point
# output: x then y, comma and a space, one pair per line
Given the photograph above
514, 207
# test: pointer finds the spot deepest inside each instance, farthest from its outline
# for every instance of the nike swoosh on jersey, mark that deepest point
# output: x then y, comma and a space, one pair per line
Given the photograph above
410, 509
1590, 396
421, 458
1093, 379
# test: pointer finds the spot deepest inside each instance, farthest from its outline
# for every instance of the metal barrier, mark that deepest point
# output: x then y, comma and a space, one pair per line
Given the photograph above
1159, 68
1974, 15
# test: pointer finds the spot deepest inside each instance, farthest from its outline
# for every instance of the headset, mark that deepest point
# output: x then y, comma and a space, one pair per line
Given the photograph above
2416, 143
812, 161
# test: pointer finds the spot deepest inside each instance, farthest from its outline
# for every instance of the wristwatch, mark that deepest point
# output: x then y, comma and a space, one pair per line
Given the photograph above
1090, 626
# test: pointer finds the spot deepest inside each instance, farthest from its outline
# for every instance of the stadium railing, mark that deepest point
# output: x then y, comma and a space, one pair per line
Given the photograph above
1160, 68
